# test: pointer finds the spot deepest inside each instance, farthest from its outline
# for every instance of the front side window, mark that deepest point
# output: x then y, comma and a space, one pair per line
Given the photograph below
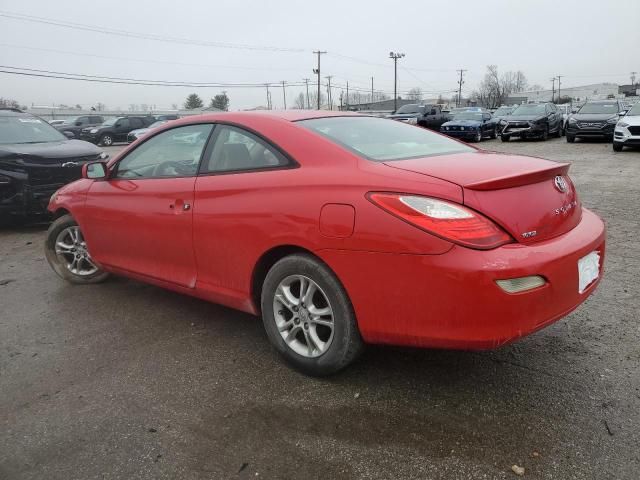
173, 153
411, 108
380, 139
236, 150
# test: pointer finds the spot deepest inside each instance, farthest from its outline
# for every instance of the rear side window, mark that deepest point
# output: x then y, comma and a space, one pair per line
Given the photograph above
236, 149
380, 139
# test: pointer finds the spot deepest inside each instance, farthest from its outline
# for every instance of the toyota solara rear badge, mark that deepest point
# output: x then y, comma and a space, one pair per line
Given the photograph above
560, 183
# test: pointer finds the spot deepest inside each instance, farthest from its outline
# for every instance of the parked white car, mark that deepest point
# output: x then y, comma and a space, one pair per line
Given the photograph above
627, 131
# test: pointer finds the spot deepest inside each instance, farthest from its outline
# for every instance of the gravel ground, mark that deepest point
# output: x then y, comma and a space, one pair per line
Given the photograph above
124, 380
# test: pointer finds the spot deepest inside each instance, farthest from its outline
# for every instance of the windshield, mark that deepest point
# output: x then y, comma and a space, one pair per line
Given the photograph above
410, 109
611, 108
529, 110
70, 121
110, 121
635, 110
157, 124
468, 116
27, 130
502, 111
380, 139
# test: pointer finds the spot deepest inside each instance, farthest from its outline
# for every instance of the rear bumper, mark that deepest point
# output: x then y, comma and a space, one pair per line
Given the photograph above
452, 300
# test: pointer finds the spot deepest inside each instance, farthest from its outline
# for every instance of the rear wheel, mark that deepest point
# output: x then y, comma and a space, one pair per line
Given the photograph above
67, 253
308, 316
617, 146
106, 140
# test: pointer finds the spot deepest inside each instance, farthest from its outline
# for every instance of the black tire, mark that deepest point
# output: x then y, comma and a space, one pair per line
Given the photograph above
478, 137
617, 146
504, 138
494, 133
346, 343
106, 140
571, 138
57, 261
558, 133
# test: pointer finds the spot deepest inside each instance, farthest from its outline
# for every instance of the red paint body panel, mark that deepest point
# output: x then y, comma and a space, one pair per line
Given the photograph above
407, 286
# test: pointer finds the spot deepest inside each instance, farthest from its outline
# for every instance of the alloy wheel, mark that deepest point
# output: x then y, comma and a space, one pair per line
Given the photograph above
71, 251
303, 316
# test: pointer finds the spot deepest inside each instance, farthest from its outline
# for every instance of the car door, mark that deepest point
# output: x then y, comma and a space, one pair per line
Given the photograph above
140, 218
487, 126
232, 201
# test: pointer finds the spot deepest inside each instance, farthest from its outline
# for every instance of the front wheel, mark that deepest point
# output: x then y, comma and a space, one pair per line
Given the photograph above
570, 138
617, 146
477, 137
68, 255
308, 316
504, 138
545, 134
106, 140
494, 133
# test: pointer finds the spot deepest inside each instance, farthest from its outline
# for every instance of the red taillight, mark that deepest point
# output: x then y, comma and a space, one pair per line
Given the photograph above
448, 220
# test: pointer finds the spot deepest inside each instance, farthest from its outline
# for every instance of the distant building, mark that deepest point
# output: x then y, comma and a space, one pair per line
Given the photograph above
629, 90
597, 91
381, 105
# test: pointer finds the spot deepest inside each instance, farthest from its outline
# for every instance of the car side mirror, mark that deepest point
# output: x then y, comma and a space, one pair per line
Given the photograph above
94, 171
623, 113
574, 110
68, 134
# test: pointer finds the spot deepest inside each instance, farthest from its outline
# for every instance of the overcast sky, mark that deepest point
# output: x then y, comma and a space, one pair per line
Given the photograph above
586, 41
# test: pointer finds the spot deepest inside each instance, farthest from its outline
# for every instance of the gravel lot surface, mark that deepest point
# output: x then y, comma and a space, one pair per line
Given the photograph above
124, 380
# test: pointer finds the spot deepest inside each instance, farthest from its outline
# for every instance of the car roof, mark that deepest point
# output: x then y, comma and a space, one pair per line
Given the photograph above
14, 112
286, 115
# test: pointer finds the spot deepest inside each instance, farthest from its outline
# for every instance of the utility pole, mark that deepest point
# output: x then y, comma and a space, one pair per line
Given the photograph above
268, 97
329, 99
559, 77
460, 82
553, 89
306, 82
371, 89
395, 57
633, 78
317, 72
284, 94
347, 101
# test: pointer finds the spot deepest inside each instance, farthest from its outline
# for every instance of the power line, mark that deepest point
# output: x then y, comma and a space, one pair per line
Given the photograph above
145, 36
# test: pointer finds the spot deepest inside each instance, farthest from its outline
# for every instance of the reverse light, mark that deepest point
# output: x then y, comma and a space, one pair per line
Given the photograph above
522, 284
450, 221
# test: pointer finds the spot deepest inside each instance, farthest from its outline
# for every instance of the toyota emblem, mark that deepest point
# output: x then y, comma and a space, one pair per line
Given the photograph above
560, 183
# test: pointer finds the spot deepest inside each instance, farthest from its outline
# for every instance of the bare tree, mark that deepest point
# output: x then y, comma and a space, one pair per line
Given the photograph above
415, 94
8, 103
495, 88
300, 101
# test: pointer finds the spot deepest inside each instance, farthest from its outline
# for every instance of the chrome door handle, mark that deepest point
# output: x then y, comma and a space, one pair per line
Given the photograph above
186, 207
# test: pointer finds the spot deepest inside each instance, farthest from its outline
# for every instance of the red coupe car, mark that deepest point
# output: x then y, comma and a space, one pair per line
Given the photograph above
338, 229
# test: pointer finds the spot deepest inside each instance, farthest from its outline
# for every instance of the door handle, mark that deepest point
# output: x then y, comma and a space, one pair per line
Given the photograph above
186, 207
179, 204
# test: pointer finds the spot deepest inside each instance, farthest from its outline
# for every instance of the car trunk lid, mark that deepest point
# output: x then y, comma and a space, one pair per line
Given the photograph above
531, 198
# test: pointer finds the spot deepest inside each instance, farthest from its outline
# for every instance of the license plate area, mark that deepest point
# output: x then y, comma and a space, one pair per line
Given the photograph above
588, 270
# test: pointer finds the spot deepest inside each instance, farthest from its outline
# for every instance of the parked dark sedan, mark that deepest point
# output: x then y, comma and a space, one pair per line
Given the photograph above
36, 160
501, 113
74, 125
533, 120
595, 119
472, 124
115, 129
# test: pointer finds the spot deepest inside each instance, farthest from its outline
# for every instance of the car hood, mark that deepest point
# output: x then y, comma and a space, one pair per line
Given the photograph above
593, 117
50, 150
462, 123
403, 115
139, 131
529, 118
519, 193
631, 119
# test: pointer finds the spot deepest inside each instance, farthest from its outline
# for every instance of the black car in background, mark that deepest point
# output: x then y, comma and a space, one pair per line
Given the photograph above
595, 119
532, 120
74, 125
35, 161
426, 116
500, 113
115, 129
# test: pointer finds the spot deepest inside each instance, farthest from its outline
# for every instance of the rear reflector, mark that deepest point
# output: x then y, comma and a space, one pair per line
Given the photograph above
522, 284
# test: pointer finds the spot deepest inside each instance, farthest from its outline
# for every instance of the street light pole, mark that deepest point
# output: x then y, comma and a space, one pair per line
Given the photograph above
317, 72
395, 57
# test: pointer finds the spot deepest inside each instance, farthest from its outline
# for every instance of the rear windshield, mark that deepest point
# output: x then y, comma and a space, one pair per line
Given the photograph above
380, 139
27, 130
611, 108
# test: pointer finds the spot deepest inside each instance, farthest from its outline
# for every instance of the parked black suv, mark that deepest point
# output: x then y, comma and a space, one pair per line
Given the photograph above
36, 160
532, 120
74, 125
115, 129
596, 119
